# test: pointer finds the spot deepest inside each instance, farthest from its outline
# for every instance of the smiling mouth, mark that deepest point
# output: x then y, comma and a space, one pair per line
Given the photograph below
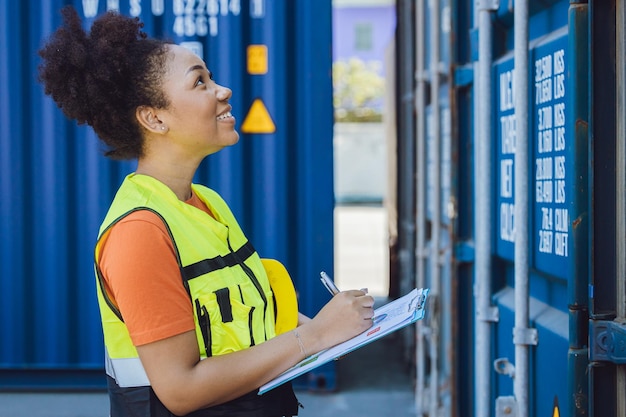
225, 116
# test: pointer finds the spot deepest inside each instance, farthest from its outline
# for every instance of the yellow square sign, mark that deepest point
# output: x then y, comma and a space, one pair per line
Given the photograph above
257, 59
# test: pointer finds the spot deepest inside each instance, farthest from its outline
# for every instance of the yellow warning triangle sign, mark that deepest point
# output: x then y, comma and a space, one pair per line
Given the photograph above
258, 119
555, 412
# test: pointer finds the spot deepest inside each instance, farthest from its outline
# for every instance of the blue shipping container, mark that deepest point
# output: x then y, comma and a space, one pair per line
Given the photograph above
56, 185
512, 209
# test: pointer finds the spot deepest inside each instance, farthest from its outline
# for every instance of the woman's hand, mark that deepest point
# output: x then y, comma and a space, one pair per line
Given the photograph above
184, 383
346, 315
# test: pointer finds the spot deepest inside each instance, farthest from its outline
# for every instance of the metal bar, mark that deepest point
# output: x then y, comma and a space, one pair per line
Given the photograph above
620, 221
406, 147
420, 104
435, 271
578, 296
603, 185
520, 384
79, 378
483, 220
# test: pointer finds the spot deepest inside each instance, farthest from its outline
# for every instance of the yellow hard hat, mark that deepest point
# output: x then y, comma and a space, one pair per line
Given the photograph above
284, 295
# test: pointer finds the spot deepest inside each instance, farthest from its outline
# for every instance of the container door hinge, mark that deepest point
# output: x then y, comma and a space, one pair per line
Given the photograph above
607, 341
525, 336
506, 407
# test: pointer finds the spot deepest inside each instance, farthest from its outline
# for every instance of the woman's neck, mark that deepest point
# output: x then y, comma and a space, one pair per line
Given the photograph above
178, 178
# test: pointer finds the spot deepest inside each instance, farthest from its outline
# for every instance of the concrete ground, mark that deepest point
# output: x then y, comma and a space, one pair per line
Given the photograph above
375, 380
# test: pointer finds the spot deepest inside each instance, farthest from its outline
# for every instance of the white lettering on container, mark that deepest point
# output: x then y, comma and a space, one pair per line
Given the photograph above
506, 178
552, 215
507, 124
545, 241
90, 8
507, 92
158, 7
507, 223
200, 17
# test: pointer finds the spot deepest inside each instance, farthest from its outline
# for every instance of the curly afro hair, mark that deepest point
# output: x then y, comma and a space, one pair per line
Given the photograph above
100, 78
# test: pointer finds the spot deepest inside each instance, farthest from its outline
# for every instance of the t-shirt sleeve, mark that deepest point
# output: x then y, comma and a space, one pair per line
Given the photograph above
141, 273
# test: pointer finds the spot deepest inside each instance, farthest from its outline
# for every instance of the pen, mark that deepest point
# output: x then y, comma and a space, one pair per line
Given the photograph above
328, 283
332, 288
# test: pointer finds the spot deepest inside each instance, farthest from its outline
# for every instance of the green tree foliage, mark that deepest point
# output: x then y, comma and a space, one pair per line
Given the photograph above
357, 90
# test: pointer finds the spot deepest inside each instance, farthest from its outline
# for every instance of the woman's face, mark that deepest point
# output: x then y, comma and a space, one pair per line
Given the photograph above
198, 117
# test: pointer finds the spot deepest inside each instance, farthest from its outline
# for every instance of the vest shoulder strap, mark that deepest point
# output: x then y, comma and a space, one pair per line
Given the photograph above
209, 265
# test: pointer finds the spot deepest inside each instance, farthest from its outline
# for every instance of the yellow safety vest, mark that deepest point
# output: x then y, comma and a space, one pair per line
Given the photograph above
224, 276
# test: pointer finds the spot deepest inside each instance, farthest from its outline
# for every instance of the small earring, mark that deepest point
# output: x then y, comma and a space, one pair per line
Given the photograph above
162, 127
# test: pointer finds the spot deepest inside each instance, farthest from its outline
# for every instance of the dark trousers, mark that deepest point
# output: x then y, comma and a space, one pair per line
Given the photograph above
143, 402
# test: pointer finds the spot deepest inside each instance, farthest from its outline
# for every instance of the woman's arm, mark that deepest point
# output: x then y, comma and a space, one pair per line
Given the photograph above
303, 319
184, 383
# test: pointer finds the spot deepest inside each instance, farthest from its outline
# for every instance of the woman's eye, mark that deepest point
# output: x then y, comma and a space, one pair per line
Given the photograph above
201, 79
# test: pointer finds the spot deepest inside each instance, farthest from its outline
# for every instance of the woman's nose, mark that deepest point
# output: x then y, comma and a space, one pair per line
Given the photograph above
223, 93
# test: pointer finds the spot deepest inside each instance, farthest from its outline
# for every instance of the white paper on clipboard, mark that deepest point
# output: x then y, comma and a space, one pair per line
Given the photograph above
387, 319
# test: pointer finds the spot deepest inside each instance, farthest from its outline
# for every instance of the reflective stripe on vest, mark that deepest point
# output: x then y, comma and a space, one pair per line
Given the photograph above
127, 372
229, 291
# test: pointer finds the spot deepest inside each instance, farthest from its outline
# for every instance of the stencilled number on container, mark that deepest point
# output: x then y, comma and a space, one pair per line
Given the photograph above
551, 156
199, 17
185, 20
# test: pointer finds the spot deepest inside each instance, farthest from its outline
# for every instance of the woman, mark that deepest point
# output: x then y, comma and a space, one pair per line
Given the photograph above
186, 305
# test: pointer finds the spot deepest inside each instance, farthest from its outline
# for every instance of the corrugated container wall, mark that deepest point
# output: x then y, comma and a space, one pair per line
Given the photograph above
56, 185
518, 227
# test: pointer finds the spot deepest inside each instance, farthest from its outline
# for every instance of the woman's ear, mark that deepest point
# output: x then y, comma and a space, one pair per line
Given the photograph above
149, 119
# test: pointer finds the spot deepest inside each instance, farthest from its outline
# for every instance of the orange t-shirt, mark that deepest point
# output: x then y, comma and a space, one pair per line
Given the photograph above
142, 277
